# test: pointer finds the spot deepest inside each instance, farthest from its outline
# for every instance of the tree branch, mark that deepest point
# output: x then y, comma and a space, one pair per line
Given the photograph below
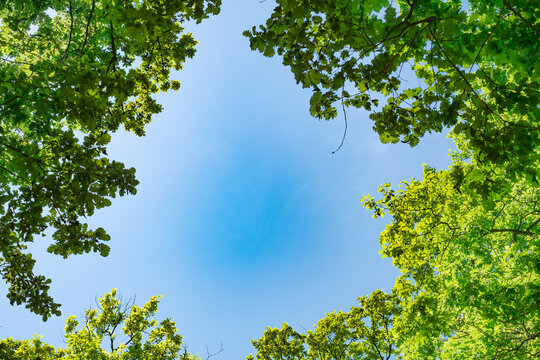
487, 39
513, 231
208, 356
458, 70
505, 3
70, 31
113, 60
88, 25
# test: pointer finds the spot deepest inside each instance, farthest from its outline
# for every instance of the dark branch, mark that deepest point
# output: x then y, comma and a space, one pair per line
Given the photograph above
70, 31
88, 25
513, 231
487, 39
505, 3
113, 60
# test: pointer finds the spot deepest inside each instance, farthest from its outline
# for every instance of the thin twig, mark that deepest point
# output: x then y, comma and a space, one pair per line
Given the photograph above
208, 355
345, 130
487, 39
70, 31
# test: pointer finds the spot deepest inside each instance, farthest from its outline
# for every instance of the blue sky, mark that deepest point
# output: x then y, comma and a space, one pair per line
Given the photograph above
244, 218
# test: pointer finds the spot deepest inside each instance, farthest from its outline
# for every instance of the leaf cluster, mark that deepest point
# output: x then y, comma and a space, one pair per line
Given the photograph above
71, 73
142, 336
469, 284
476, 63
470, 275
363, 332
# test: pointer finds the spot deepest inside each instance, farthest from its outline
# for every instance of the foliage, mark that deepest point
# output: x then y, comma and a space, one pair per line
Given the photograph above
144, 337
476, 63
71, 73
470, 270
363, 332
466, 239
469, 285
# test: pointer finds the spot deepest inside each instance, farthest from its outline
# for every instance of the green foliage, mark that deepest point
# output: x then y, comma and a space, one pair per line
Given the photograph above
466, 239
470, 275
71, 73
365, 332
469, 285
142, 337
476, 62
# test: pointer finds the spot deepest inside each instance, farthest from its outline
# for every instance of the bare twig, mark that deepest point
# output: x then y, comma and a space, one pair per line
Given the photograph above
345, 130
208, 355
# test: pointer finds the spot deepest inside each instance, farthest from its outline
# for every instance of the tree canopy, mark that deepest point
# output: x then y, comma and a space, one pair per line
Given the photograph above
71, 73
99, 337
469, 284
476, 64
465, 239
365, 332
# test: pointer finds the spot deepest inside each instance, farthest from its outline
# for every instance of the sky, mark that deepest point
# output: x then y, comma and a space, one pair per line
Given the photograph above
244, 218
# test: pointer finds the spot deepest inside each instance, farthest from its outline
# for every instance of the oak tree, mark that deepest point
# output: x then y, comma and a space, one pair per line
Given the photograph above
420, 67
71, 73
112, 331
